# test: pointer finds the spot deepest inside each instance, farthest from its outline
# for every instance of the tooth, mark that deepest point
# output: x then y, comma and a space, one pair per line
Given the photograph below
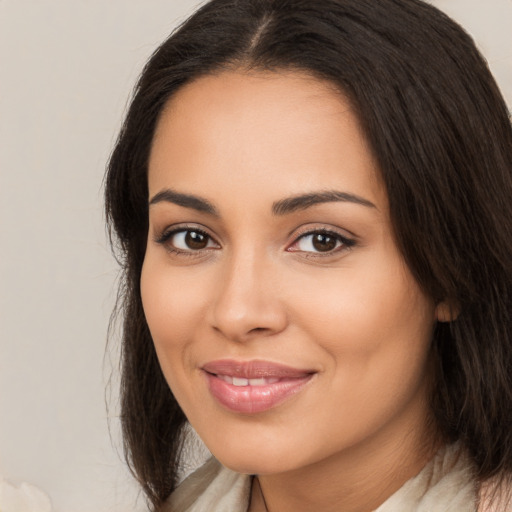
226, 378
240, 381
257, 382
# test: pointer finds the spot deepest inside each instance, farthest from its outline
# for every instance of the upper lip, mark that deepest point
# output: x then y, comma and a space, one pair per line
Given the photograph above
254, 369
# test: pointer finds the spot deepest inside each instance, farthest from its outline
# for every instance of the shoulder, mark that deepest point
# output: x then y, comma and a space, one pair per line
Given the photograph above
211, 487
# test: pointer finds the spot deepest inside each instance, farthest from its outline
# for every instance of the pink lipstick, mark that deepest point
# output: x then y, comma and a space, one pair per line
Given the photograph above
254, 386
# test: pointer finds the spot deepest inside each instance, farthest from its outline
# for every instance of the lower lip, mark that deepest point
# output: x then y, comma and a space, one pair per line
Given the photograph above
254, 399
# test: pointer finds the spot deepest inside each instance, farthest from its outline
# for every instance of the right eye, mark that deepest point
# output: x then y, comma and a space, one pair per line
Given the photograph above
187, 240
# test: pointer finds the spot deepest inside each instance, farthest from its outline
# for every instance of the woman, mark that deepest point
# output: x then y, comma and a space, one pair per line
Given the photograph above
312, 204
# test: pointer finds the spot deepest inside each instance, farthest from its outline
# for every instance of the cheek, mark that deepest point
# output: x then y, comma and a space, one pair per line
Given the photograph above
376, 334
171, 305
171, 308
374, 296
373, 326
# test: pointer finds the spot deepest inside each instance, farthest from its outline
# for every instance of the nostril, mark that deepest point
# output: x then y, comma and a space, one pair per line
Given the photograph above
258, 329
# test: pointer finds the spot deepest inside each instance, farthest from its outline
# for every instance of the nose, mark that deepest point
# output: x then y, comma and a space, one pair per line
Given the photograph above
247, 303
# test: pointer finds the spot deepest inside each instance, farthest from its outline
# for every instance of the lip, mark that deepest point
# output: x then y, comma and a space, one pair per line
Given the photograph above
272, 384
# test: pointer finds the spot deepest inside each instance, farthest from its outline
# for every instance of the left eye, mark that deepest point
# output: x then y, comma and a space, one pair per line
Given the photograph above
320, 242
190, 240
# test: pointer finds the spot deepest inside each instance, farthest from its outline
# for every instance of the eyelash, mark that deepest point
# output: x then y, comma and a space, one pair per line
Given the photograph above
166, 236
345, 242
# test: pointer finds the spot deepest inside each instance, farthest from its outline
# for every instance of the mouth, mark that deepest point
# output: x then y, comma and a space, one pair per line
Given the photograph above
240, 381
255, 386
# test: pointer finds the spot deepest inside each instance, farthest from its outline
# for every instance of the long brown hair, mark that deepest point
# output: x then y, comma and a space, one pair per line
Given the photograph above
441, 133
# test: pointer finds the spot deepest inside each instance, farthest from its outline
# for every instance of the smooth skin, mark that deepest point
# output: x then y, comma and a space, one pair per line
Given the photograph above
234, 274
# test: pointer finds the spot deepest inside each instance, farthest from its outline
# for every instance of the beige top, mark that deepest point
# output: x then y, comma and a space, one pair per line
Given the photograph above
445, 484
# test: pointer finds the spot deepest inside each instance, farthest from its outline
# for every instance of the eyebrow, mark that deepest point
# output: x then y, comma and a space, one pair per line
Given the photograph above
304, 201
185, 200
282, 207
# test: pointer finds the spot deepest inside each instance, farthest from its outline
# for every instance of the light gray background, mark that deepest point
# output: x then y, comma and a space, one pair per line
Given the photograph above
66, 70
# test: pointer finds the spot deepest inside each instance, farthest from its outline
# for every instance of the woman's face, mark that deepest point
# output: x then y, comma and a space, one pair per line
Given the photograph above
285, 320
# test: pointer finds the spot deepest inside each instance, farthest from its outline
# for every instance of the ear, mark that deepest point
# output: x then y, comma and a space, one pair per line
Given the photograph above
447, 311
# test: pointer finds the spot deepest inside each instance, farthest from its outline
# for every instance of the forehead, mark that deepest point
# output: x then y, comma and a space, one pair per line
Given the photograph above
283, 131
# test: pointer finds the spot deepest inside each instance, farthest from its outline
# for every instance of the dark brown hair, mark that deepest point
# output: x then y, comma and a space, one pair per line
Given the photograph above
441, 134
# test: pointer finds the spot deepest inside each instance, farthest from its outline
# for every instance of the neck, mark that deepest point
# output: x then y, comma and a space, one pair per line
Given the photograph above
356, 479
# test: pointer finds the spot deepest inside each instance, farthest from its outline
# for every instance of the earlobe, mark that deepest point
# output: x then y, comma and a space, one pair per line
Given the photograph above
447, 311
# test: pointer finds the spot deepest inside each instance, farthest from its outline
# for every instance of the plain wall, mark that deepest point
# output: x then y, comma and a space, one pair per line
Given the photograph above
66, 70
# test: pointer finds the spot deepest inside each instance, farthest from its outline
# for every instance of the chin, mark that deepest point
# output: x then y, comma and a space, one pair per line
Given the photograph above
255, 465
259, 457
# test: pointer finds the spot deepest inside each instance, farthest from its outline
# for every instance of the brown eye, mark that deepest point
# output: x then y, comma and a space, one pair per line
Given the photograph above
195, 240
323, 242
188, 240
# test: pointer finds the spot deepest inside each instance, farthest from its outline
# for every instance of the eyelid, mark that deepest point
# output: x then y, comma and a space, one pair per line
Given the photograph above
163, 236
169, 229
347, 240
